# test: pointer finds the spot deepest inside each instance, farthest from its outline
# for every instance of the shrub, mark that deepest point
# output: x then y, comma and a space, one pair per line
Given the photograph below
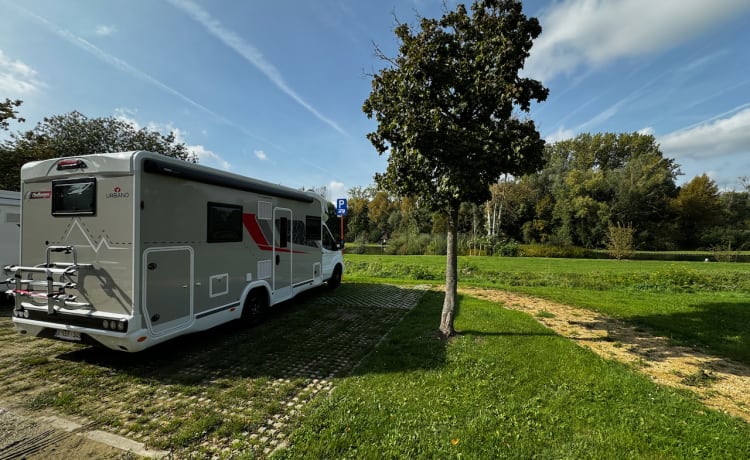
508, 248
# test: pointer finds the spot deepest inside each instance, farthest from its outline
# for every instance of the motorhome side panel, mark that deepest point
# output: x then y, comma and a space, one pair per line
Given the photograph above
102, 238
217, 260
236, 238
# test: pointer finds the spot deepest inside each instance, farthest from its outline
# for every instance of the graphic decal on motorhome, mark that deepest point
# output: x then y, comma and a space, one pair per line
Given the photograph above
252, 226
45, 194
95, 246
117, 193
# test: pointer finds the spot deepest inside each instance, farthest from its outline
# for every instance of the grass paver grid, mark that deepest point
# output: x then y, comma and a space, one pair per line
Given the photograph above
215, 394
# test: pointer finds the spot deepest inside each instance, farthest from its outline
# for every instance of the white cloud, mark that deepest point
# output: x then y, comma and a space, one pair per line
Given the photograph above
647, 131
208, 157
251, 54
128, 116
336, 190
16, 77
714, 138
560, 135
590, 33
105, 31
205, 156
261, 155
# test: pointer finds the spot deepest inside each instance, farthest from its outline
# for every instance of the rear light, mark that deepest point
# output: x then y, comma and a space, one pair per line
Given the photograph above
70, 163
114, 325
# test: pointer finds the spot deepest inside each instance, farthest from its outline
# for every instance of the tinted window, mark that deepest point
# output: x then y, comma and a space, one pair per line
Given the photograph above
312, 227
224, 223
74, 197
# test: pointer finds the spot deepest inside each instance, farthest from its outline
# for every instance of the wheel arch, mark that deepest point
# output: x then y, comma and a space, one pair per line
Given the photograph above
256, 285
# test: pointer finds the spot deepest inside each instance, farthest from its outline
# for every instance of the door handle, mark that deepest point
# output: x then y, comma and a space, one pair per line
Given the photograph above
278, 259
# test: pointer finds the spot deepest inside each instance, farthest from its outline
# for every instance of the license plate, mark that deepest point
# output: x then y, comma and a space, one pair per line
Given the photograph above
68, 335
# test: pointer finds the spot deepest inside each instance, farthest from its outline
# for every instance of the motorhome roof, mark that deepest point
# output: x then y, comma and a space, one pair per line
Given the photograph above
129, 162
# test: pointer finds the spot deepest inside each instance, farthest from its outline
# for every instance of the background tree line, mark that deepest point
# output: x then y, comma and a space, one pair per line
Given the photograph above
587, 185
74, 134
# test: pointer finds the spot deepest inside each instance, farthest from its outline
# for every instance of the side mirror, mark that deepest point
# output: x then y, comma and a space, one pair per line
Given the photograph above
341, 245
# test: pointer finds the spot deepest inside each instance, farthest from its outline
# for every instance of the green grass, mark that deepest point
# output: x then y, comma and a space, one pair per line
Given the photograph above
506, 387
704, 305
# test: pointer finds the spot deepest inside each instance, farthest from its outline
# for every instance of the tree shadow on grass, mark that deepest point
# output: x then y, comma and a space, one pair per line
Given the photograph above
720, 329
321, 334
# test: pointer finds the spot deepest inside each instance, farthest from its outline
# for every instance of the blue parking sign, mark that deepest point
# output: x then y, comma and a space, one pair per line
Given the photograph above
341, 207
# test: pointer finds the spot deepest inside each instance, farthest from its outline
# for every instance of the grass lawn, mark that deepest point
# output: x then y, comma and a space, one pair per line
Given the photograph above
506, 387
705, 305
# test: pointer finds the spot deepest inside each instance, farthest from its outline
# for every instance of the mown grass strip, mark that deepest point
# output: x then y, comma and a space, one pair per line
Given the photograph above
703, 305
506, 387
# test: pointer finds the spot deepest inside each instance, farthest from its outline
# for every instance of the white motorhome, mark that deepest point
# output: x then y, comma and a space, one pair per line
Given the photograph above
130, 249
10, 232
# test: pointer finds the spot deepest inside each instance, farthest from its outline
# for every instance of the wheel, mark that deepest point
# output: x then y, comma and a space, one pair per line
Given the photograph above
335, 280
255, 307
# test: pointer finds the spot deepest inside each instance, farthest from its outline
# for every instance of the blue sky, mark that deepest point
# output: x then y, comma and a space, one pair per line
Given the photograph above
274, 89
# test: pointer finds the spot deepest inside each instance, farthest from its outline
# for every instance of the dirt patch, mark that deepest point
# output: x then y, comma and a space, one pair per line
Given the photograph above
720, 383
48, 438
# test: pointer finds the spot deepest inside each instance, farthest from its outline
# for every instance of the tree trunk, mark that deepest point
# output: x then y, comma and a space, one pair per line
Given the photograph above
451, 276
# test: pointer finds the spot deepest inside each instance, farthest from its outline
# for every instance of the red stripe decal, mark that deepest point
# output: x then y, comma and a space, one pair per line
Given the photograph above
252, 227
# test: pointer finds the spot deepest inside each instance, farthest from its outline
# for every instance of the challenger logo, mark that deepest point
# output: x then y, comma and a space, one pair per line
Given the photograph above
40, 195
117, 193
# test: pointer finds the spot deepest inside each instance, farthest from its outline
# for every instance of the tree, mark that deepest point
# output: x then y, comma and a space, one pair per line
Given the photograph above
620, 240
379, 209
698, 208
8, 112
597, 178
447, 113
74, 134
357, 219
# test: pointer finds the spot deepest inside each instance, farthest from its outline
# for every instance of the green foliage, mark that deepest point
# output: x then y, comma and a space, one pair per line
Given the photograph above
8, 112
620, 240
569, 252
416, 244
587, 183
698, 208
508, 248
445, 106
75, 134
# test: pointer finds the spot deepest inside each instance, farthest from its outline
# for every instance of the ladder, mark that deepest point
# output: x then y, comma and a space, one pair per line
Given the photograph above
59, 276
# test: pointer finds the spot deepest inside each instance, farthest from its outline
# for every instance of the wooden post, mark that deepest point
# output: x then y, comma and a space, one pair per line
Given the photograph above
342, 232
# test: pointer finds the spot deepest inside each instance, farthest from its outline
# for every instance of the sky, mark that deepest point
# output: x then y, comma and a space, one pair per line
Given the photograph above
274, 89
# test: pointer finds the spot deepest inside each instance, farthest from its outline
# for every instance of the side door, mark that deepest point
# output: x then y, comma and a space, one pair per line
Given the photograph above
168, 288
282, 253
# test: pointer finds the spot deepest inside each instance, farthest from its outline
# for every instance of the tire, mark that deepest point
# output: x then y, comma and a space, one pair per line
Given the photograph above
255, 307
335, 280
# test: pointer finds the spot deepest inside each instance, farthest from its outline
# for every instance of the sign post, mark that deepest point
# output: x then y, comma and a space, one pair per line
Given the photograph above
341, 212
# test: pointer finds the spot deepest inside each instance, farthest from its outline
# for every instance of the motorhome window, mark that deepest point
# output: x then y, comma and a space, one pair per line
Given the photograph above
224, 223
312, 227
298, 232
74, 197
283, 223
328, 241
